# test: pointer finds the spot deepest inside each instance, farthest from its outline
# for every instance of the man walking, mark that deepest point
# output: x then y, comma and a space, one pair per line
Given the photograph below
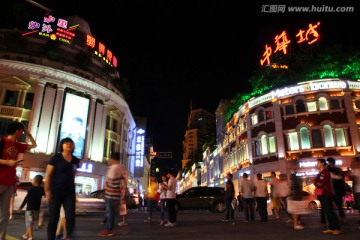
9, 150
229, 196
261, 195
247, 189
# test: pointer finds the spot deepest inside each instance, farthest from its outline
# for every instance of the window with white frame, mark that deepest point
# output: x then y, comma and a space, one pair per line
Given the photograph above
304, 138
254, 119
264, 145
272, 145
311, 106
323, 104
340, 137
293, 141
328, 136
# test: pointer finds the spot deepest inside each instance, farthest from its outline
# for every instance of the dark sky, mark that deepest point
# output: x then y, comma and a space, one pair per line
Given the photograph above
173, 52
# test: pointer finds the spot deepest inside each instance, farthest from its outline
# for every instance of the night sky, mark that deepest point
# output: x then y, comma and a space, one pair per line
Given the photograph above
174, 52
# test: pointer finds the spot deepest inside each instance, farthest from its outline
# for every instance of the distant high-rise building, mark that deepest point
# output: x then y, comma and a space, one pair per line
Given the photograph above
200, 128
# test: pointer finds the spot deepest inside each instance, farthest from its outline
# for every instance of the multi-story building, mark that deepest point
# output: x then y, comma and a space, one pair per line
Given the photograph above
286, 130
60, 80
200, 128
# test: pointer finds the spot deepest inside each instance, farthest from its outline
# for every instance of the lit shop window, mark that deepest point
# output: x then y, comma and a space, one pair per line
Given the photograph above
264, 149
254, 119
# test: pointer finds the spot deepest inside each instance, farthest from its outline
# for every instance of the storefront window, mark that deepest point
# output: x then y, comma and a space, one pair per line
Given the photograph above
264, 149
272, 144
311, 106
323, 104
317, 138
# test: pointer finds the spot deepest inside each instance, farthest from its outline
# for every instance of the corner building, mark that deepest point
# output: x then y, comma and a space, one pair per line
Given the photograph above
46, 83
287, 130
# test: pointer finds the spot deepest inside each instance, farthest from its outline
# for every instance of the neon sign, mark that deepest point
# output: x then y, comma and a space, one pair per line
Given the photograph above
55, 30
101, 51
139, 148
282, 43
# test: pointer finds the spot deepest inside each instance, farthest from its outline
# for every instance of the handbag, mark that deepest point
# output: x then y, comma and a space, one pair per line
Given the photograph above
319, 191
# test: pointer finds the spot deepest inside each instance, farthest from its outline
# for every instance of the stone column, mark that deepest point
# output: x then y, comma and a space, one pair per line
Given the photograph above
89, 137
36, 107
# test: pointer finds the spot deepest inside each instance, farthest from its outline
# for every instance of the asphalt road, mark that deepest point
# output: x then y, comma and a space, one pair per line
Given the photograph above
199, 225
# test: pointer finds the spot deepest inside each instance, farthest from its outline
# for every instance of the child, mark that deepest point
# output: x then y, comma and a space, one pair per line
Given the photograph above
33, 201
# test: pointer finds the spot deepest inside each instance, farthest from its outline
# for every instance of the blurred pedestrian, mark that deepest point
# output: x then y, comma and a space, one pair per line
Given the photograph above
32, 201
10, 151
355, 177
151, 198
338, 187
229, 196
275, 199
124, 198
296, 195
283, 192
162, 192
261, 196
60, 187
323, 189
247, 189
112, 193
239, 199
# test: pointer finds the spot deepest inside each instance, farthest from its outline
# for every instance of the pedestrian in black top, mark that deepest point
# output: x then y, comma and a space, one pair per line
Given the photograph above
60, 187
338, 187
33, 201
229, 196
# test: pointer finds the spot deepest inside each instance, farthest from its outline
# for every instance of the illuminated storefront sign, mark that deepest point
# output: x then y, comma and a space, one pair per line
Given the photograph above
139, 148
282, 42
300, 88
53, 29
308, 164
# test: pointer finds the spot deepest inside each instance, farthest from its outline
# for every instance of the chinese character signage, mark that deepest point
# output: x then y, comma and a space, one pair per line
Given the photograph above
101, 51
139, 152
282, 42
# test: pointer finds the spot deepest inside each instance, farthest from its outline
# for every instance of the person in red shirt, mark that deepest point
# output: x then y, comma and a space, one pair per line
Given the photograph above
9, 150
322, 181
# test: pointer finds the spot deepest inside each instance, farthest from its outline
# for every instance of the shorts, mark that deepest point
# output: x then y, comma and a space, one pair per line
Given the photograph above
276, 202
30, 217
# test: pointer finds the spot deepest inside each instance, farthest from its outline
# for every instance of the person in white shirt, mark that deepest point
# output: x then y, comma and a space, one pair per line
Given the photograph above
162, 192
261, 195
247, 190
170, 198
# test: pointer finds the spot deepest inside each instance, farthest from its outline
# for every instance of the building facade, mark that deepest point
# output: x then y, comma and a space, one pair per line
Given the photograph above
58, 86
286, 130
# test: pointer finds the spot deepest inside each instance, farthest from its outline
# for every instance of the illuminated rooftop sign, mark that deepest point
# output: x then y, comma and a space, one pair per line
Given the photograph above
282, 42
53, 29
300, 88
101, 51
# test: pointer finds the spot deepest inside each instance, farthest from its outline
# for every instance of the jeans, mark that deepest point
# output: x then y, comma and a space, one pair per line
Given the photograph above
111, 207
338, 200
162, 209
170, 205
249, 209
5, 195
150, 207
229, 211
68, 202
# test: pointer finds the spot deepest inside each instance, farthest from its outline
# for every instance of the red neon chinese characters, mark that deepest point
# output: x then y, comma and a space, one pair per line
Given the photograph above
281, 42
109, 55
266, 56
90, 41
311, 35
101, 48
114, 61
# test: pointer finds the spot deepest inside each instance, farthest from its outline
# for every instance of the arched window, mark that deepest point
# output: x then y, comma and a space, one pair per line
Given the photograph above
304, 138
261, 116
323, 104
289, 110
340, 137
264, 146
317, 138
300, 106
272, 144
328, 136
293, 141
